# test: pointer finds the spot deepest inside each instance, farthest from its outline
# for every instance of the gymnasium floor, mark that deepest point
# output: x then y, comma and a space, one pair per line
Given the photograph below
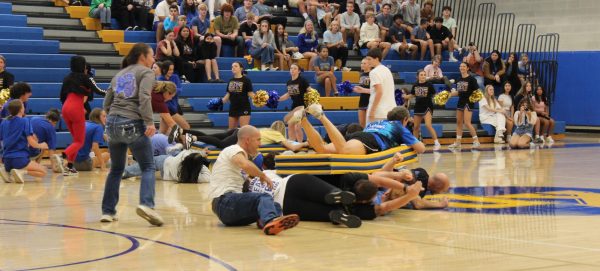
510, 210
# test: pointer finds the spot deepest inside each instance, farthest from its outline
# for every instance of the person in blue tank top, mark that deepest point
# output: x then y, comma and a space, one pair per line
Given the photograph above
94, 136
376, 137
45, 132
16, 134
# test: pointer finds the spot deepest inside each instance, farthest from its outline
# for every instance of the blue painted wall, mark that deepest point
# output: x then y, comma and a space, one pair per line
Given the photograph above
577, 99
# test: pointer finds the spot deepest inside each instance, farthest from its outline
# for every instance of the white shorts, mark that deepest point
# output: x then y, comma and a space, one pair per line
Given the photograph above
396, 46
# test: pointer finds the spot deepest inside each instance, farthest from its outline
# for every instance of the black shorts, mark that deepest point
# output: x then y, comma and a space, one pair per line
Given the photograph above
423, 108
363, 101
364, 46
368, 140
464, 104
294, 105
239, 112
178, 111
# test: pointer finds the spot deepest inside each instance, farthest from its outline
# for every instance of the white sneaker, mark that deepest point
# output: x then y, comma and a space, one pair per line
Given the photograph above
498, 140
455, 145
549, 140
452, 81
452, 58
346, 69
150, 215
4, 175
508, 138
296, 116
297, 55
109, 218
437, 146
58, 163
285, 9
17, 175
476, 144
316, 110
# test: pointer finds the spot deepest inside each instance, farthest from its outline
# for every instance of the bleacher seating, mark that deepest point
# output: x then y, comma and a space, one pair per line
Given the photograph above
13, 20
22, 33
24, 60
29, 46
5, 8
39, 74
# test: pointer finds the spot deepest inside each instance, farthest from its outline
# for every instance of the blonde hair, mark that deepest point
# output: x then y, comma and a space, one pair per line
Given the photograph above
202, 7
303, 29
165, 86
491, 99
278, 126
181, 17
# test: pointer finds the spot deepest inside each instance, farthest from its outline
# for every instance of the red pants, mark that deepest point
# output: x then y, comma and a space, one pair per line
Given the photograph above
73, 113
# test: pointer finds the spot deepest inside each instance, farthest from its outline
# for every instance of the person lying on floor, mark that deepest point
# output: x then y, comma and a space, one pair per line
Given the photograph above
376, 137
183, 166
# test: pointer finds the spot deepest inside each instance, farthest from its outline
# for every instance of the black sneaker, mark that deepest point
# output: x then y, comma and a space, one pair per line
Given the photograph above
175, 133
340, 197
339, 217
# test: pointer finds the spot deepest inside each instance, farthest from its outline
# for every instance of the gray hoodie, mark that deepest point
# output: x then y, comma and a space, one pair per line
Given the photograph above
129, 94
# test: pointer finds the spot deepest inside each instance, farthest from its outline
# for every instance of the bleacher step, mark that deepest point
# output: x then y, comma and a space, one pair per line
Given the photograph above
53, 22
71, 34
38, 9
104, 61
38, 3
89, 47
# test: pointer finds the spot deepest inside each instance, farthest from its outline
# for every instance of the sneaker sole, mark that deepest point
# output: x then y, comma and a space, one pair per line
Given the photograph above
280, 225
153, 220
57, 164
343, 197
16, 177
350, 221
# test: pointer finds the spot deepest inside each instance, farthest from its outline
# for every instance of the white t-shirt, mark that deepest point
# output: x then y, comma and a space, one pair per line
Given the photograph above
279, 184
172, 163
506, 101
449, 23
226, 176
381, 75
162, 9
484, 112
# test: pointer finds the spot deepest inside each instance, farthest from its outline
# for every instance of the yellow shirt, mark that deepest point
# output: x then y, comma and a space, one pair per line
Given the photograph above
270, 136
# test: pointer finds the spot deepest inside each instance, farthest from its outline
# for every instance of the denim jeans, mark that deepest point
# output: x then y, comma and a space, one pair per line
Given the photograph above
240, 209
266, 55
103, 14
135, 170
123, 134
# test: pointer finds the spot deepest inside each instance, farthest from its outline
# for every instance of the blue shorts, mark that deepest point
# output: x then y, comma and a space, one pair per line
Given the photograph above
17, 163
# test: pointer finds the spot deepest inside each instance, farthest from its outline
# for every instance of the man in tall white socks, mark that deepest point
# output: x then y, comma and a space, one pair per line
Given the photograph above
235, 208
382, 99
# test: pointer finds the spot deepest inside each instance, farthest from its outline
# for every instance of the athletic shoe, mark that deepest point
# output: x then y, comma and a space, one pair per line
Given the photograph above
136, 28
109, 218
184, 80
437, 146
476, 144
498, 140
4, 175
174, 134
149, 214
70, 172
316, 110
129, 28
285, 9
17, 175
549, 140
297, 55
539, 140
452, 58
187, 144
280, 224
339, 217
455, 145
58, 163
452, 81
346, 69
297, 115
340, 197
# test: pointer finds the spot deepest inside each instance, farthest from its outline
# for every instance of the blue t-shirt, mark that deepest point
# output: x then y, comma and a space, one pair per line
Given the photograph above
173, 103
4, 113
94, 132
160, 143
201, 25
168, 24
391, 133
13, 134
45, 132
324, 65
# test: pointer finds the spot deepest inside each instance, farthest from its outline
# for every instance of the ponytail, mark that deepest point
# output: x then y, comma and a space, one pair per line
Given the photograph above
138, 50
165, 86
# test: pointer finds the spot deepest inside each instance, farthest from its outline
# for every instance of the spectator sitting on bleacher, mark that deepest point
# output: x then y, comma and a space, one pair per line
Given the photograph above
239, 91
129, 14
285, 50
7, 79
263, 46
365, 4
201, 25
226, 27
167, 50
161, 13
189, 8
296, 87
337, 46
90, 156
525, 119
434, 75
423, 93
397, 36
505, 100
442, 38
473, 60
208, 53
15, 135
100, 9
323, 11
172, 20
411, 12
350, 24
526, 93
449, 22
385, 20
427, 10
187, 45
494, 70
266, 13
181, 22
395, 6
369, 36
308, 42
214, 7
247, 29
525, 69
45, 132
421, 38
540, 104
492, 113
242, 12
19, 91
324, 68
166, 71
512, 73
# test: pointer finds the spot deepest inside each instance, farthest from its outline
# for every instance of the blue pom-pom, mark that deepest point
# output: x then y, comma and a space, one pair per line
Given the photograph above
215, 104
345, 88
273, 100
399, 100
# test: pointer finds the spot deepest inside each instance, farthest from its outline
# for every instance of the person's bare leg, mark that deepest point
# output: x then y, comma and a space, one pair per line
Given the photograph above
180, 120
428, 124
337, 139
218, 42
467, 121
431, 50
314, 138
362, 117
244, 120
207, 69
417, 125
423, 49
333, 81
459, 123
233, 123
327, 85
215, 68
299, 134
385, 46
550, 128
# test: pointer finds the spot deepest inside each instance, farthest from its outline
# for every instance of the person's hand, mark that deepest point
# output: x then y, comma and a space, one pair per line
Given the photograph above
414, 189
356, 88
150, 130
398, 157
497, 78
43, 145
264, 179
263, 45
129, 7
443, 203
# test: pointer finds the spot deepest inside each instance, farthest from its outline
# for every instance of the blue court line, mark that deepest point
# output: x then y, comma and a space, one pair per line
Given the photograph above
507, 148
132, 238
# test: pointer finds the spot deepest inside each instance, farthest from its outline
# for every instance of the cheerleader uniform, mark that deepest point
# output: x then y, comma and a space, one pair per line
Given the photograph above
296, 89
238, 89
365, 82
424, 93
465, 87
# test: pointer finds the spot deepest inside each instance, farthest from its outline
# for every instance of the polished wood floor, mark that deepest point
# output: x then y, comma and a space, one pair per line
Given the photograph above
511, 219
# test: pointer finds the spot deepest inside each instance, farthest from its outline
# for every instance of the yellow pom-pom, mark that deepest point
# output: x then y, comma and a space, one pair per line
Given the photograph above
441, 98
248, 59
4, 96
260, 98
311, 96
476, 96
